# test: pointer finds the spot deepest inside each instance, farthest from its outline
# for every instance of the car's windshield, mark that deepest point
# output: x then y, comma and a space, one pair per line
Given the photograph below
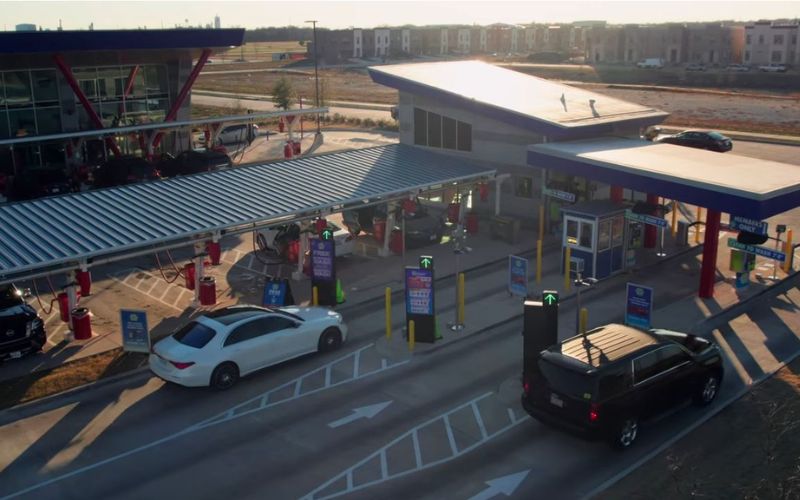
9, 297
194, 335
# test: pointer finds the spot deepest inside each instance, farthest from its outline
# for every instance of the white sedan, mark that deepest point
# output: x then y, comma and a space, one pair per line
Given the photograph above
219, 347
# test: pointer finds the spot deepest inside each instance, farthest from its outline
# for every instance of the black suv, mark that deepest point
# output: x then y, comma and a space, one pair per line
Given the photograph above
21, 328
124, 170
606, 384
193, 162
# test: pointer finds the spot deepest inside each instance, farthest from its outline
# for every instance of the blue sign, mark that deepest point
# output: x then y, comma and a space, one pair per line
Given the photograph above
560, 195
135, 337
646, 219
749, 225
274, 293
764, 252
322, 259
419, 291
638, 306
517, 275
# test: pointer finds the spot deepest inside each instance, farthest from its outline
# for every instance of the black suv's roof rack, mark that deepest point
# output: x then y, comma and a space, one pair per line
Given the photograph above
605, 344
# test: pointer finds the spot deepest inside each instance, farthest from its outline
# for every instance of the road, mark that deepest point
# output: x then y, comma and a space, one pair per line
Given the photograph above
265, 105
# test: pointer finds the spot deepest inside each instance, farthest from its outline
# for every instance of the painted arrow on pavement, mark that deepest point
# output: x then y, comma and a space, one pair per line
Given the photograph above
363, 412
502, 485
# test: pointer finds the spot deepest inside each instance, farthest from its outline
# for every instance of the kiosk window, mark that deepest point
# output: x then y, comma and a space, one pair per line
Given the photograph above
572, 232
586, 235
523, 187
617, 225
420, 127
434, 130
604, 235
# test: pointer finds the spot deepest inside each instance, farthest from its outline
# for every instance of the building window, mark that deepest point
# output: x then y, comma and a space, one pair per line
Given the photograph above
434, 130
464, 136
579, 233
449, 140
760, 39
749, 40
523, 187
746, 55
776, 56
794, 39
777, 40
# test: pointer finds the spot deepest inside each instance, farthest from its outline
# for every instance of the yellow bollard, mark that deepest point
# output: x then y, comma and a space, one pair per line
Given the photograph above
388, 301
584, 320
674, 218
541, 222
461, 298
697, 226
411, 337
787, 264
538, 262
314, 296
567, 280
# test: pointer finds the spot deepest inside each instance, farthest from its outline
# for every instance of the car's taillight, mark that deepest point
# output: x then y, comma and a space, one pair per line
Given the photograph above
181, 366
594, 412
526, 386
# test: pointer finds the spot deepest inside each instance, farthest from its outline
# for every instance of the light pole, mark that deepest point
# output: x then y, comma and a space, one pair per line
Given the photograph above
316, 69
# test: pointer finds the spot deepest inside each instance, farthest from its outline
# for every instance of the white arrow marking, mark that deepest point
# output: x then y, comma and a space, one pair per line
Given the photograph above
502, 485
363, 412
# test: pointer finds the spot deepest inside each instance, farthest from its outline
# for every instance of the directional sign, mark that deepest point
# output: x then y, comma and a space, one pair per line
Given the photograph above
135, 337
425, 262
363, 412
274, 293
327, 234
518, 275
550, 298
419, 291
638, 305
749, 225
505, 485
561, 195
764, 252
322, 260
646, 219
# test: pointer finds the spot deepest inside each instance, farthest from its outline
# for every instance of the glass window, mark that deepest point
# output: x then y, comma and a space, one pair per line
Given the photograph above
420, 127
138, 86
5, 133
586, 235
645, 367
194, 335
434, 130
89, 88
45, 89
464, 136
156, 81
48, 120
669, 357
572, 231
157, 109
18, 89
617, 228
777, 39
523, 187
53, 155
448, 133
604, 235
22, 122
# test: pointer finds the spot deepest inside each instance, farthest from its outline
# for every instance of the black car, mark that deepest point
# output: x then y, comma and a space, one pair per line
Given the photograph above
21, 329
425, 226
713, 141
618, 376
36, 182
193, 162
124, 170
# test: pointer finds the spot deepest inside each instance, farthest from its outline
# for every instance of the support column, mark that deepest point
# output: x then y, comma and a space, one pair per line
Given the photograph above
651, 232
709, 267
199, 257
616, 194
387, 233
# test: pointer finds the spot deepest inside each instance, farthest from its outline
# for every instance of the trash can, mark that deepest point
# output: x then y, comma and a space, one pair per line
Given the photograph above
453, 210
84, 279
472, 223
293, 251
208, 291
379, 229
396, 242
188, 274
296, 148
287, 150
682, 234
281, 125
63, 306
81, 323
214, 252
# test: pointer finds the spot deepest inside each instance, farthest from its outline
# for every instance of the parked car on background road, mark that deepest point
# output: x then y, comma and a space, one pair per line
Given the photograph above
738, 67
606, 384
21, 329
124, 170
701, 139
773, 68
220, 346
651, 62
695, 67
193, 162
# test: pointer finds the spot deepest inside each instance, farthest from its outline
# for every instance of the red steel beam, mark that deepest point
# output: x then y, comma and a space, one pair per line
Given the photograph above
76, 89
129, 81
187, 87
708, 269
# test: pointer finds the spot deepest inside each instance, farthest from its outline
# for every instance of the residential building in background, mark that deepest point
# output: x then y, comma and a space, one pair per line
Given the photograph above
770, 42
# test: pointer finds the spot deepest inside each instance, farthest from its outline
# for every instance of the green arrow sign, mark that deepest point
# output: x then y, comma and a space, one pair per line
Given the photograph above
550, 298
426, 262
327, 234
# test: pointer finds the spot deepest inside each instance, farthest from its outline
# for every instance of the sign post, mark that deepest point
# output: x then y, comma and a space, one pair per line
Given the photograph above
420, 304
638, 306
323, 267
517, 276
135, 336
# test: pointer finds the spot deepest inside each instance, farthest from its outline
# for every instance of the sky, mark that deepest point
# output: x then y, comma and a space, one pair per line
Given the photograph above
111, 14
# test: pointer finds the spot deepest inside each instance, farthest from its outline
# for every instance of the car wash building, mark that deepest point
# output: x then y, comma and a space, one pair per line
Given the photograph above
60, 82
575, 159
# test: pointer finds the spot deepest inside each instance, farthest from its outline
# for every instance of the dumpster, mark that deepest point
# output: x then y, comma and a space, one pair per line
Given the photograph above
81, 323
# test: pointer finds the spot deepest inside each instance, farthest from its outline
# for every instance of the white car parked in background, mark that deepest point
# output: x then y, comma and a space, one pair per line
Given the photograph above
219, 347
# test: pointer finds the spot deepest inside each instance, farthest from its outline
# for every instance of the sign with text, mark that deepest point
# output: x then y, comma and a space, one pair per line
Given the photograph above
274, 293
646, 219
755, 249
560, 195
517, 276
135, 336
420, 306
638, 305
749, 225
322, 257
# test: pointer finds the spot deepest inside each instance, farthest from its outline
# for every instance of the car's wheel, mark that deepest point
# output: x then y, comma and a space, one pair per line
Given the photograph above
625, 433
330, 340
224, 376
708, 390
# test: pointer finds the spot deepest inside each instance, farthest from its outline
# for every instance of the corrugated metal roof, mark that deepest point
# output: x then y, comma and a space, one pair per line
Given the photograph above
39, 234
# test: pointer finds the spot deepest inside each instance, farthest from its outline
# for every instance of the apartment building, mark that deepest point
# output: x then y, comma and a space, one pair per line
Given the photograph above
768, 42
714, 44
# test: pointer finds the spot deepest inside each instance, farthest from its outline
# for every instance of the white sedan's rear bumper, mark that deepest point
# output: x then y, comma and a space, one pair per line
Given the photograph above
193, 376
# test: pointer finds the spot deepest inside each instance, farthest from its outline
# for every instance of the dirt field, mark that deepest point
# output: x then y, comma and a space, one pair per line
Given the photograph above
762, 462
257, 51
765, 114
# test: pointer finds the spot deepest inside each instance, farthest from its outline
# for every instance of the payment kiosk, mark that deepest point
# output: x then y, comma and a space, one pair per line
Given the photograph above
595, 233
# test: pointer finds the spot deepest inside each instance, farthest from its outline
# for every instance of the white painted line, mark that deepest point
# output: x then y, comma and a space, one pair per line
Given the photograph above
350, 480
384, 466
328, 375
163, 294
450, 436
479, 420
250, 262
297, 387
129, 272
511, 415
152, 286
383, 362
264, 400
417, 453
356, 364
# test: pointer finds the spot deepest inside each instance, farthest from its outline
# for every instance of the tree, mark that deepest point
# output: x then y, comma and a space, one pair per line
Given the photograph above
283, 93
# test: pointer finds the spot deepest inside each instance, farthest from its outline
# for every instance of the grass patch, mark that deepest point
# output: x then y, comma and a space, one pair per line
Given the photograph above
73, 374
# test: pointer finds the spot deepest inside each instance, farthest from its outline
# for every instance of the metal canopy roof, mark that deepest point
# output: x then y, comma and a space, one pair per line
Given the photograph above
522, 100
55, 233
723, 181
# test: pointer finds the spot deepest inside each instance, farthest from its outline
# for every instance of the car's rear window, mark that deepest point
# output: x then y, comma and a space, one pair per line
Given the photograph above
194, 335
566, 381
716, 136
